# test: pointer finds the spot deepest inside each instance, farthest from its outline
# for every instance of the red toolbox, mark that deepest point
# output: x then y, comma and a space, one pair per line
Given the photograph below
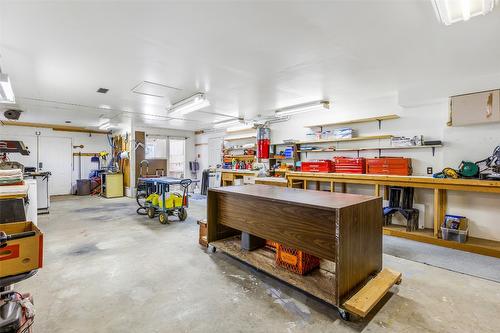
399, 166
349, 165
318, 166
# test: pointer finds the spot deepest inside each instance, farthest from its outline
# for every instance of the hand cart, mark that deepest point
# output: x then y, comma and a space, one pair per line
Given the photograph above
161, 186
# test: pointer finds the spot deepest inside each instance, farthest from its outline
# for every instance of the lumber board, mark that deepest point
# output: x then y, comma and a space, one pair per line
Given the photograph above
319, 283
366, 298
356, 121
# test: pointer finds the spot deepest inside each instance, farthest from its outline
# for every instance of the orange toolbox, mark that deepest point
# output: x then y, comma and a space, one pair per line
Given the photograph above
399, 166
21, 255
349, 165
318, 166
295, 260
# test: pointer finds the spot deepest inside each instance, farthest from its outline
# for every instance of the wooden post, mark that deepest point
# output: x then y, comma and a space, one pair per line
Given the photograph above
377, 190
386, 192
439, 209
332, 187
318, 185
305, 184
344, 188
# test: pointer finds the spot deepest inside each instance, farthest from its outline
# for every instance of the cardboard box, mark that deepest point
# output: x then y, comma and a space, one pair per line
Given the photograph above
21, 255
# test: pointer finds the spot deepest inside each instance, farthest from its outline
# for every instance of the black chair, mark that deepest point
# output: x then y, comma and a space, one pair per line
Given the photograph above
401, 200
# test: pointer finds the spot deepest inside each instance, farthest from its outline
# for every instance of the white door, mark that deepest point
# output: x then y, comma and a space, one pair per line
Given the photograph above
55, 156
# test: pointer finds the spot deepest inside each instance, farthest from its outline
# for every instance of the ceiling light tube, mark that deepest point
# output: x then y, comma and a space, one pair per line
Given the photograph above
227, 123
290, 110
452, 11
240, 127
6, 92
196, 102
105, 126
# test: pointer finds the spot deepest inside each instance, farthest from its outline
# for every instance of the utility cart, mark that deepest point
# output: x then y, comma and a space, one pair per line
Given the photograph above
153, 201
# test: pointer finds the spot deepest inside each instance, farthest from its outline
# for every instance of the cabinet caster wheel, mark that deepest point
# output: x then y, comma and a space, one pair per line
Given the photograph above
211, 249
344, 315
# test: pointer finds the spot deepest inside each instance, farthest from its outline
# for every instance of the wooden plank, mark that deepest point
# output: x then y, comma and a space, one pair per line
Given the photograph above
63, 128
319, 283
357, 121
359, 138
365, 299
437, 211
367, 148
470, 185
482, 246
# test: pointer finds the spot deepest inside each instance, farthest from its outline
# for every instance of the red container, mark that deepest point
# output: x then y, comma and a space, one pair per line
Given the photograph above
349, 165
295, 260
398, 166
318, 166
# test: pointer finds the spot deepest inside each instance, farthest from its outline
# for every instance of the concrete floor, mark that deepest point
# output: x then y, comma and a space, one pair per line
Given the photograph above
108, 269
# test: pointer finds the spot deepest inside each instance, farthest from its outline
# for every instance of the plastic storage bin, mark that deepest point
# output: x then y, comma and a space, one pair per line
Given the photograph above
455, 228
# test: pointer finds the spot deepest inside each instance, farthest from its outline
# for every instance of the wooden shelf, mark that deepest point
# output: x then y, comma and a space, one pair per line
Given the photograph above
357, 121
247, 157
476, 245
359, 138
233, 148
368, 148
241, 138
319, 283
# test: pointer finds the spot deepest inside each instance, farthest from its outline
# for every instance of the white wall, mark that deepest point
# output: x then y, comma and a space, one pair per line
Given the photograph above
92, 144
461, 143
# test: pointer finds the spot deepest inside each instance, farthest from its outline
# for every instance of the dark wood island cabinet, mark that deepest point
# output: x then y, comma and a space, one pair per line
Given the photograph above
345, 229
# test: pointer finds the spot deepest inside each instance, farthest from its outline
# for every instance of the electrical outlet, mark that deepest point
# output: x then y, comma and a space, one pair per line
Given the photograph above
429, 171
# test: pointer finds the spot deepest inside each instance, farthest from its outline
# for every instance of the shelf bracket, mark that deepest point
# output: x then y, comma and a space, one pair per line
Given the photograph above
358, 153
379, 123
433, 151
379, 152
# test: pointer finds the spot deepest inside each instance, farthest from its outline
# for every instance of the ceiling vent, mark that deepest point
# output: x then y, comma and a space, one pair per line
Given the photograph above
154, 89
102, 90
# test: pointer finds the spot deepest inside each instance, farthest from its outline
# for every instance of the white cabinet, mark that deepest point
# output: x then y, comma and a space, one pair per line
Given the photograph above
477, 108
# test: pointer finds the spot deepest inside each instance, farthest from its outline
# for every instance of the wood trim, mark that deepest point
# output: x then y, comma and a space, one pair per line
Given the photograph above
63, 128
475, 245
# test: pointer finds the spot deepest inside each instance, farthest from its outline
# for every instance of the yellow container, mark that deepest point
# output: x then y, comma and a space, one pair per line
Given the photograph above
21, 255
171, 202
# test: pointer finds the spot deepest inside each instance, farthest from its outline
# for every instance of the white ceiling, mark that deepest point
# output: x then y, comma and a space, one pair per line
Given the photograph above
251, 57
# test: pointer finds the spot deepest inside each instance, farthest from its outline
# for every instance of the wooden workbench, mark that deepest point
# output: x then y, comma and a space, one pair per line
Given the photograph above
229, 176
343, 228
439, 186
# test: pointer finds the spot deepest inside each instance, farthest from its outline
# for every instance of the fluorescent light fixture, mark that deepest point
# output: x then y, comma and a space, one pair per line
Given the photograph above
240, 127
6, 92
227, 123
452, 11
196, 102
294, 109
105, 126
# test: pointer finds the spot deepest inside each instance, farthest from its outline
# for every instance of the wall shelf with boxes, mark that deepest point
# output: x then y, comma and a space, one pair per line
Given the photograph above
380, 149
286, 158
378, 119
239, 151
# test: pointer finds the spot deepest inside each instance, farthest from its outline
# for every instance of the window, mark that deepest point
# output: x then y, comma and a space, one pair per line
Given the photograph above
156, 147
177, 158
